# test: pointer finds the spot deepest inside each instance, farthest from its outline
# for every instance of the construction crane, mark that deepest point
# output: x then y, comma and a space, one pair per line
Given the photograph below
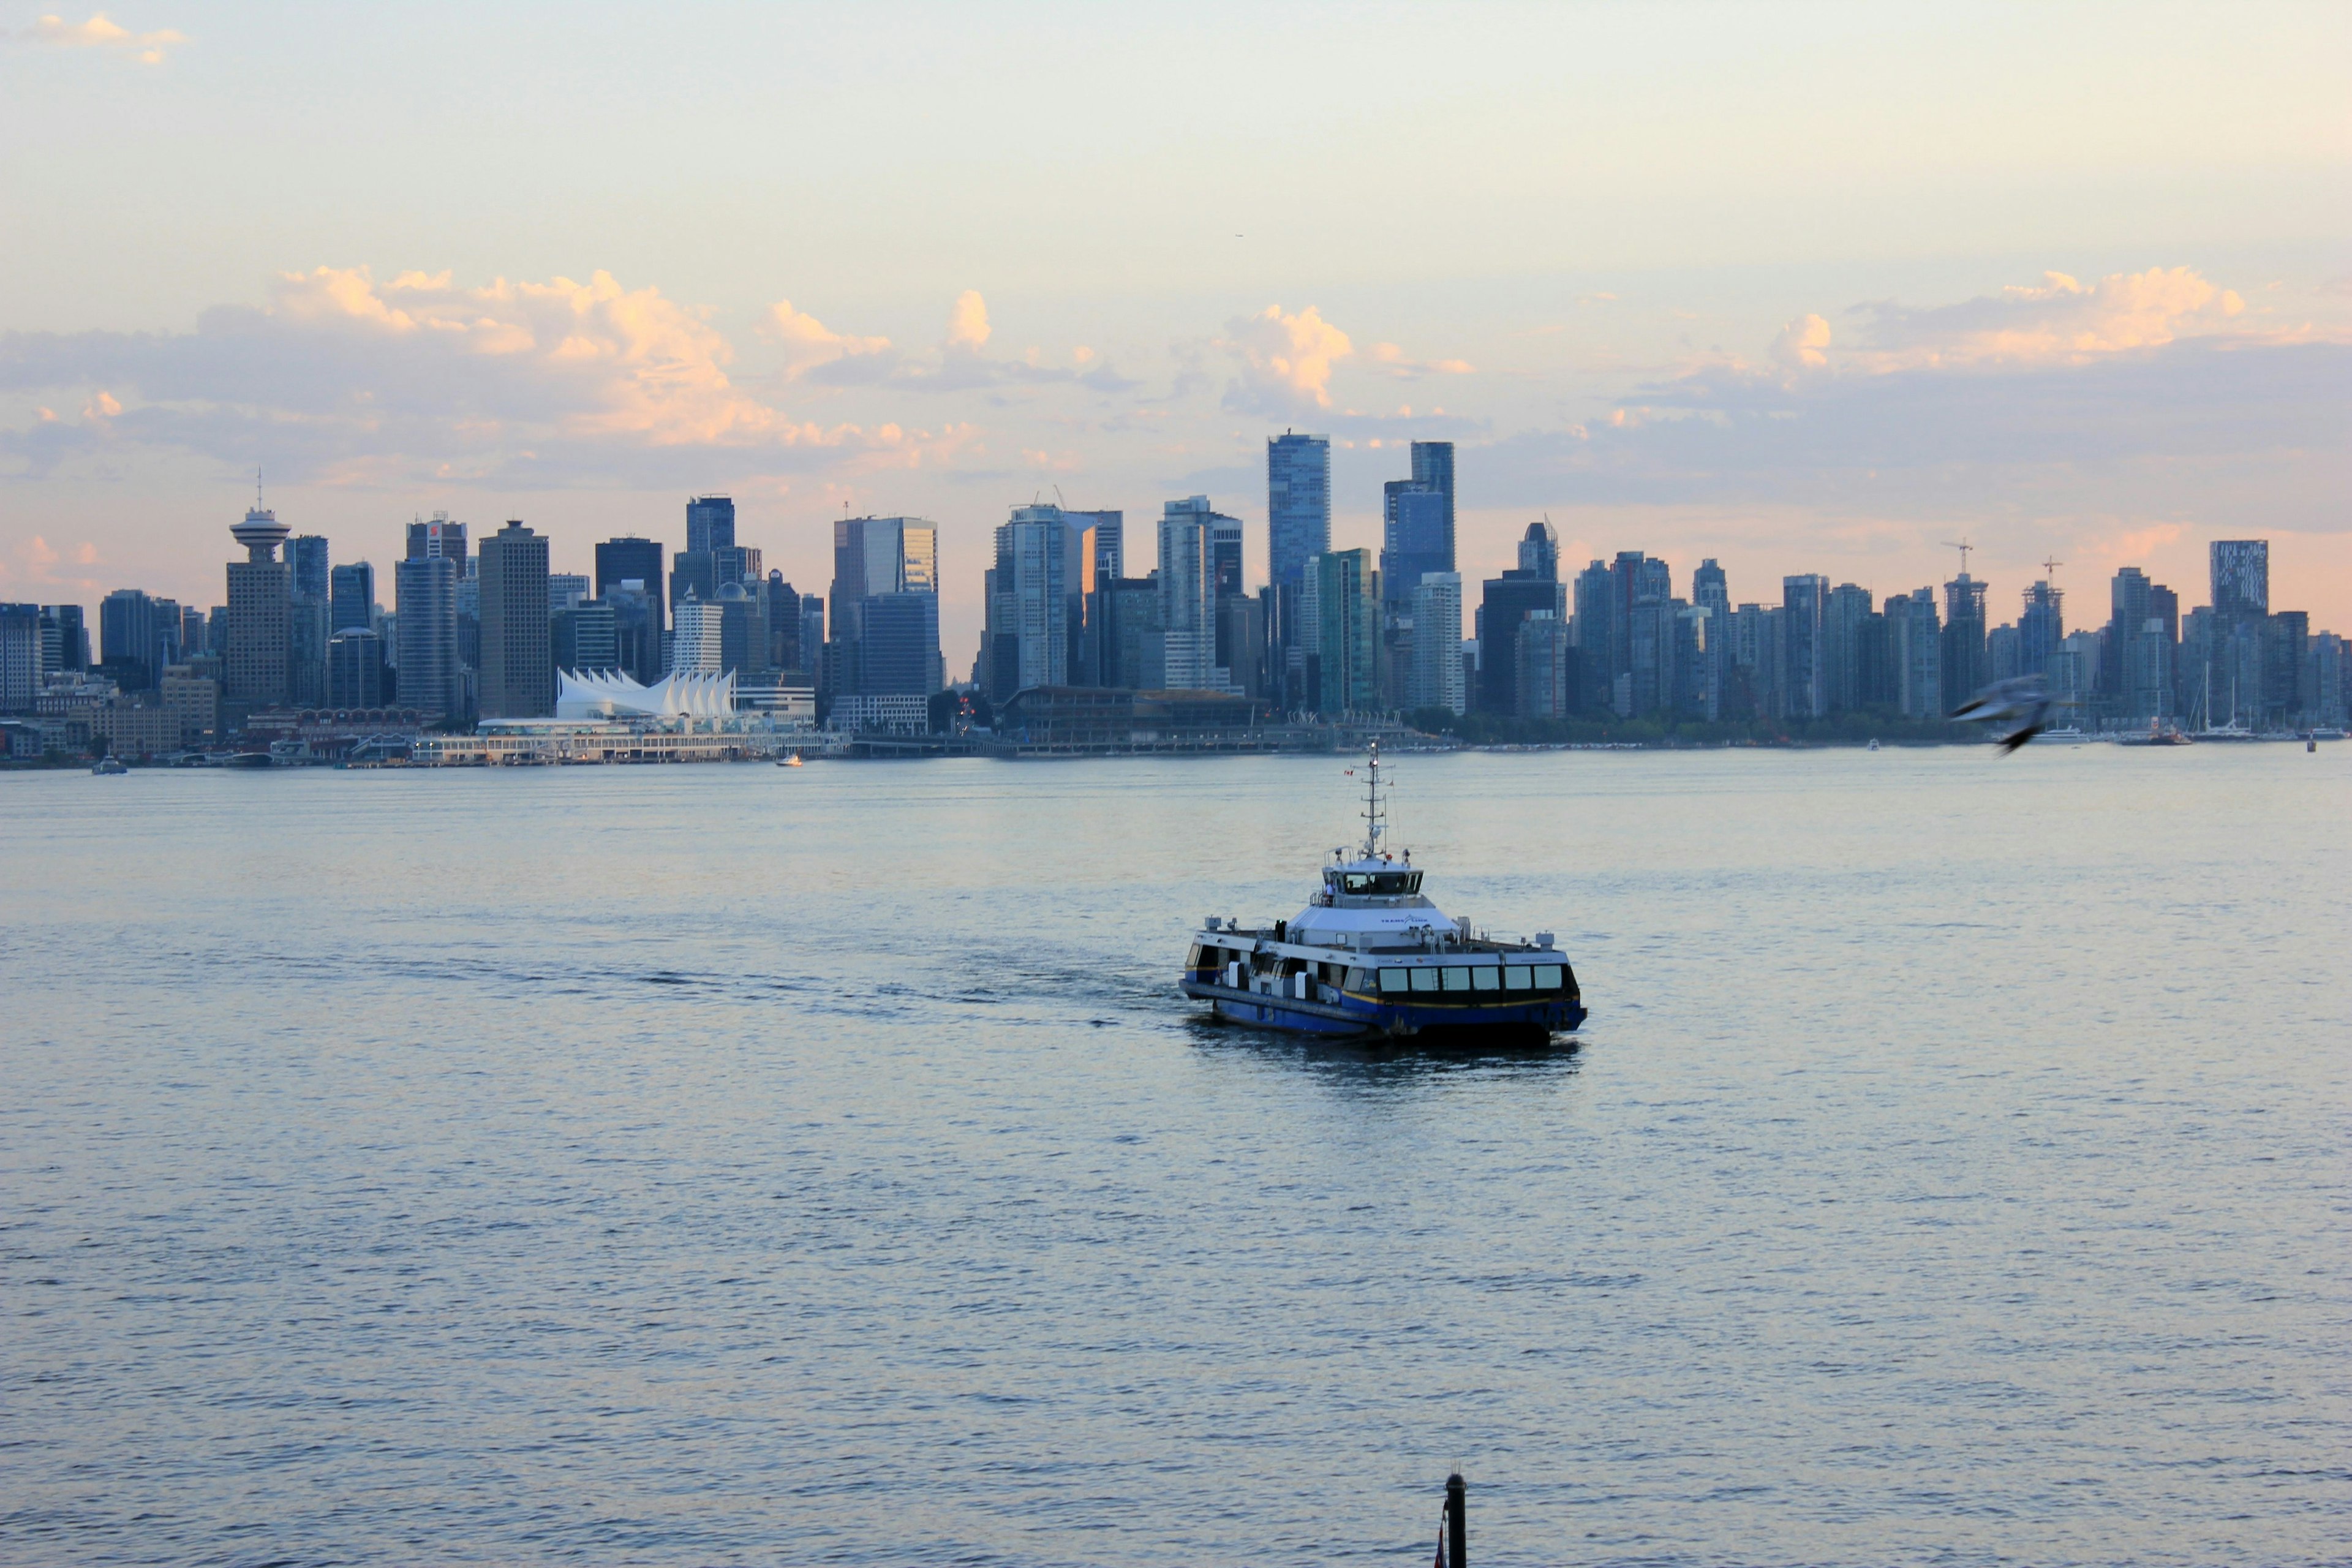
1963, 546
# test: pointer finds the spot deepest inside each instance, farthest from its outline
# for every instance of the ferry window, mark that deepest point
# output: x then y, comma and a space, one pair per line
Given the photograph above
1486, 977
1547, 976
1396, 979
1456, 977
1423, 979
1515, 977
1192, 959
1380, 884
1355, 980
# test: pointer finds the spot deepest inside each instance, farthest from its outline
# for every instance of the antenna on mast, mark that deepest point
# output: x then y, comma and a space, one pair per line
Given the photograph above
257, 487
1963, 546
1372, 813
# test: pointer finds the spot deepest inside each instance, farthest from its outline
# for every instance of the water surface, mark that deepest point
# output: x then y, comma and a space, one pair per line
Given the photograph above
714, 1164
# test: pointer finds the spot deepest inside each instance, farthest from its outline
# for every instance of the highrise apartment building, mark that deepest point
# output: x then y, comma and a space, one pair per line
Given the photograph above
1297, 504
1804, 683
1967, 654
20, 656
1437, 673
518, 671
1198, 549
424, 635
877, 559
1341, 624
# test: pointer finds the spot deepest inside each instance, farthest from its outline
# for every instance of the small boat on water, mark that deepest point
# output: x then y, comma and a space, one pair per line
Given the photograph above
793, 760
108, 767
1369, 954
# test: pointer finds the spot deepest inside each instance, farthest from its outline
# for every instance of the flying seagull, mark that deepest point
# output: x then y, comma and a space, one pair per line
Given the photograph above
2017, 710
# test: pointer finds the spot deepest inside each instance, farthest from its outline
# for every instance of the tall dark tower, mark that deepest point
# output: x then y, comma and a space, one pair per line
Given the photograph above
254, 674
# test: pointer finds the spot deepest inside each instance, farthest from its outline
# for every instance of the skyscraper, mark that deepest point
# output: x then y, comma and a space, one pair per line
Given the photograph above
355, 669
1416, 539
133, 645
1345, 614
425, 632
20, 656
1030, 603
439, 537
351, 598
1432, 469
1437, 643
633, 560
1533, 587
1297, 504
307, 567
1843, 611
1917, 643
1197, 544
2241, 577
1968, 660
518, 671
2040, 629
709, 524
876, 558
254, 675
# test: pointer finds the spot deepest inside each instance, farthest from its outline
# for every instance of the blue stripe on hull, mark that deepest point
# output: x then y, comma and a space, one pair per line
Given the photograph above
1269, 1013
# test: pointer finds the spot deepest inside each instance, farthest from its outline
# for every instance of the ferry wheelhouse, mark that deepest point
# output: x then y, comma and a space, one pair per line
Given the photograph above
1371, 954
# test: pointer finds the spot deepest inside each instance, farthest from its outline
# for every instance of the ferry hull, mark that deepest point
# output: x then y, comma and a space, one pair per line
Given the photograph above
1355, 1017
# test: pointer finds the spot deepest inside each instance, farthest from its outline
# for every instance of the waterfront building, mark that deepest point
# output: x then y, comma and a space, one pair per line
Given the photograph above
350, 598
2241, 578
1437, 672
566, 590
439, 538
899, 646
1915, 642
1595, 630
743, 631
1697, 690
425, 637
307, 626
2040, 629
1128, 651
2002, 645
1297, 504
1530, 588
20, 657
136, 637
518, 671
1433, 472
1416, 538
629, 559
307, 569
1029, 603
637, 621
65, 637
1843, 611
874, 558
355, 669
586, 635
1545, 664
1967, 657
1805, 690
255, 670
192, 697
1197, 545
710, 523
1342, 615
697, 638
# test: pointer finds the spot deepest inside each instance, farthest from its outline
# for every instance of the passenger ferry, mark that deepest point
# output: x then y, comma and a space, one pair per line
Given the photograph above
1369, 954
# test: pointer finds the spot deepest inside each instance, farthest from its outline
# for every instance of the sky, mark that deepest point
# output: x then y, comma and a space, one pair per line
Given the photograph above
1803, 288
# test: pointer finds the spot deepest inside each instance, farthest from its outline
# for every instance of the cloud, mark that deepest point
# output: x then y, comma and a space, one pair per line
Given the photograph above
341, 377
968, 323
807, 342
1286, 361
2056, 322
101, 32
1386, 359
1803, 344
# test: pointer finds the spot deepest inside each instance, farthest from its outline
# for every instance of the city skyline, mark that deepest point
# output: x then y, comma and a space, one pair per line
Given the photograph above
1731, 332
